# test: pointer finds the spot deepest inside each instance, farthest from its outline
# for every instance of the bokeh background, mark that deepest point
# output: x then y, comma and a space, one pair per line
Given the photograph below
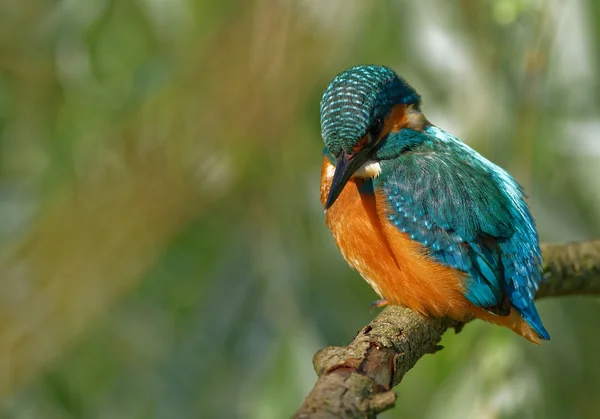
163, 253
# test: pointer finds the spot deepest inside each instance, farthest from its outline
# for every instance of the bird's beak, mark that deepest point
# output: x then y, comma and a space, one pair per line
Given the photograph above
345, 167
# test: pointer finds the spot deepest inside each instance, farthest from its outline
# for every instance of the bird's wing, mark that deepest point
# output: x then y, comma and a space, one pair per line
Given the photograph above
471, 216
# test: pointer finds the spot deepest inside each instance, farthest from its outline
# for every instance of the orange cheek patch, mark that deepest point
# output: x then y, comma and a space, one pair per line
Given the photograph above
395, 121
360, 143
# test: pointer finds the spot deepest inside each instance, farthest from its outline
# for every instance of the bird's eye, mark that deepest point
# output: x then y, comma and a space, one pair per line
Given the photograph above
376, 128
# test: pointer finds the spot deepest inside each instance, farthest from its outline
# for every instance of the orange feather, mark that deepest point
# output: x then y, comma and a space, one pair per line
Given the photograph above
398, 268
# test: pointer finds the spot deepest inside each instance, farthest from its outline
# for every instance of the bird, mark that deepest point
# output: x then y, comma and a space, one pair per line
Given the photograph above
426, 220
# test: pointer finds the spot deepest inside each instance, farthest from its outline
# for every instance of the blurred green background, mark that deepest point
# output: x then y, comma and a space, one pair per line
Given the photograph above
163, 252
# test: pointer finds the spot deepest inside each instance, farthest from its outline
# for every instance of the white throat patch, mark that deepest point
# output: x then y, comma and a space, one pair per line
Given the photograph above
370, 169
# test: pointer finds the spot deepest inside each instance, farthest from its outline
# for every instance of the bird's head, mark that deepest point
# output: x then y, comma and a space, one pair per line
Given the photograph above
359, 109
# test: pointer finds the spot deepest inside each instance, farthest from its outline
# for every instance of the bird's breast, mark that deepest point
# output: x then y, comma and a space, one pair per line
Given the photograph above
397, 268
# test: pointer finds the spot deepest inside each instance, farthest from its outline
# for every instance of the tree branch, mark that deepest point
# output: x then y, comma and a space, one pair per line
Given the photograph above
355, 381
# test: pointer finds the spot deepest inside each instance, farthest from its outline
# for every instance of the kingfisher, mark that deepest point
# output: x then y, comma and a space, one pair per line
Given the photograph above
427, 221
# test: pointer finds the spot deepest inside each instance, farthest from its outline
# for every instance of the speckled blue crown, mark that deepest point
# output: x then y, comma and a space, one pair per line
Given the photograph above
356, 97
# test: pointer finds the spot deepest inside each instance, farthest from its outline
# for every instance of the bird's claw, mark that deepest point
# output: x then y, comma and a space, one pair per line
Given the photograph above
377, 304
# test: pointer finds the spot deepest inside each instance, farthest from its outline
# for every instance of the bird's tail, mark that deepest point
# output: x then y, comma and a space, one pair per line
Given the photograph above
527, 324
532, 317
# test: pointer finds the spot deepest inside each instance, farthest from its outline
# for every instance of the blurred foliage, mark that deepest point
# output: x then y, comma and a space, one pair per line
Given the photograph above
163, 251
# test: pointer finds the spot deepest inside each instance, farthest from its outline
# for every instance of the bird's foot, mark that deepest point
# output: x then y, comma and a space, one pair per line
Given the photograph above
377, 304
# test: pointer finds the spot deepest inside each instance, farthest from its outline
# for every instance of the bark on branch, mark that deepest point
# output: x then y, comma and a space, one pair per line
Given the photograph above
355, 381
